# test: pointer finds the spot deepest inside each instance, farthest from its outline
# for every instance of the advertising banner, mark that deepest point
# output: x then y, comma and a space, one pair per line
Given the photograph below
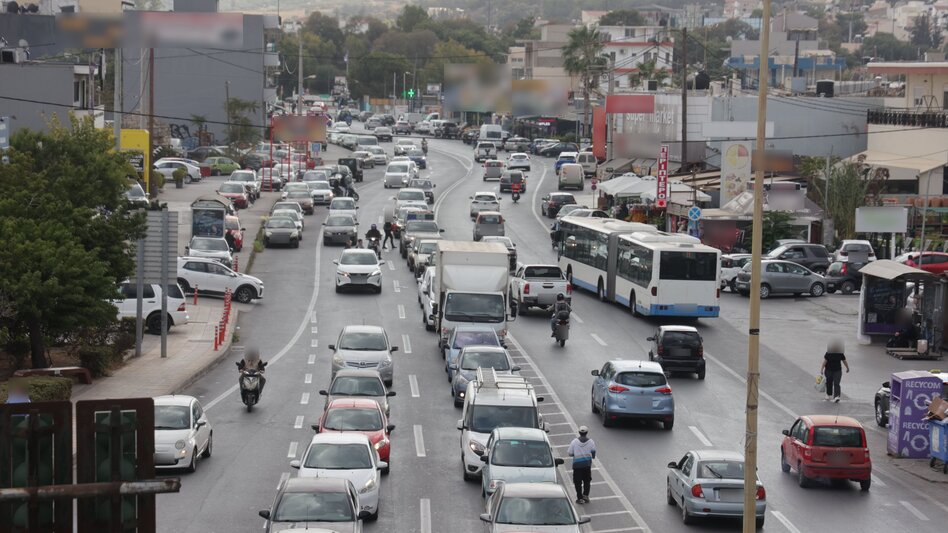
661, 193
599, 134
735, 169
300, 128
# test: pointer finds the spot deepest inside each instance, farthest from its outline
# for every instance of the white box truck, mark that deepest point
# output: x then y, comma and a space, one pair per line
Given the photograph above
471, 284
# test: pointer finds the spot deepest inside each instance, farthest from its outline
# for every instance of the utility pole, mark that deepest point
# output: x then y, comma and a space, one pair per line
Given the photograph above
827, 236
299, 73
753, 333
152, 189
230, 131
117, 100
796, 56
610, 118
684, 99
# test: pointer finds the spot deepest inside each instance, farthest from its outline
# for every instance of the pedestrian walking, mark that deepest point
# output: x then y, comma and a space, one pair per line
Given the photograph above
583, 451
389, 235
833, 361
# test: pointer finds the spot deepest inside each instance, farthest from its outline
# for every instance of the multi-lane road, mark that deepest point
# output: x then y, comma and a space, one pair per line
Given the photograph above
302, 315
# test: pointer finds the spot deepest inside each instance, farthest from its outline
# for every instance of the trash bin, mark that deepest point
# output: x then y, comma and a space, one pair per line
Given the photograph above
911, 392
938, 437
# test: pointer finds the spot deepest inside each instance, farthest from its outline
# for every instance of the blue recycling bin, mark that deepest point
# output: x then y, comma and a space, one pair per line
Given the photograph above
911, 392
938, 437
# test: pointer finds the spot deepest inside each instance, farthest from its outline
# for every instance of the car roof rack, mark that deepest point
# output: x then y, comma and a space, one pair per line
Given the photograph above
488, 378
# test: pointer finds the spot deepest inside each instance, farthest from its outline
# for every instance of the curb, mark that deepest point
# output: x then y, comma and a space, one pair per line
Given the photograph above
222, 353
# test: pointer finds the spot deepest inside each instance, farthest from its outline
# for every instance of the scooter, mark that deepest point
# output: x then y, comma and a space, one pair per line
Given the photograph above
251, 386
515, 196
561, 331
374, 245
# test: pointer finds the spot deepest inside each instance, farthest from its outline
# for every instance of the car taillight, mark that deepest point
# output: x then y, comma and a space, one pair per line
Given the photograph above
617, 388
843, 269
664, 390
718, 294
865, 457
526, 288
182, 308
761, 493
697, 492
700, 351
654, 291
661, 349
843, 253
569, 288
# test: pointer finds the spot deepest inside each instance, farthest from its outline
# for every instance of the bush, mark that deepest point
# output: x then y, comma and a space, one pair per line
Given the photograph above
43, 388
98, 359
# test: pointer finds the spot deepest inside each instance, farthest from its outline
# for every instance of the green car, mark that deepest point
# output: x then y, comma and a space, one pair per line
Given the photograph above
221, 165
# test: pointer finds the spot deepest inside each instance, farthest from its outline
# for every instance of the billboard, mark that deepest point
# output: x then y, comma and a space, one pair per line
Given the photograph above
299, 128
735, 169
136, 143
532, 98
599, 133
882, 219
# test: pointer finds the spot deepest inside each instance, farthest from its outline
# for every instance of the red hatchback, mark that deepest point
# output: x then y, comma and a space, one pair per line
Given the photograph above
236, 192
826, 446
359, 415
934, 262
232, 226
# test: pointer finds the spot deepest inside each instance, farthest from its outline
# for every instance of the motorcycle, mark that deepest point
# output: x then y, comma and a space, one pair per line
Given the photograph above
374, 245
515, 196
561, 331
251, 386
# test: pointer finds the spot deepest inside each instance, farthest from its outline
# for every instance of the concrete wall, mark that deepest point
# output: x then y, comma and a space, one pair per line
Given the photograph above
38, 30
43, 83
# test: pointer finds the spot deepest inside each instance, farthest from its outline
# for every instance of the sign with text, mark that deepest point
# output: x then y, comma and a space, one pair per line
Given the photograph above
661, 193
735, 169
911, 392
300, 128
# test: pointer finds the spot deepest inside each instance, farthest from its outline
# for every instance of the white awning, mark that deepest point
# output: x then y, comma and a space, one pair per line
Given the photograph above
890, 270
619, 184
876, 158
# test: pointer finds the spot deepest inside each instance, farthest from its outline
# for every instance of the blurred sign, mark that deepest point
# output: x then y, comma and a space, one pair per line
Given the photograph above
174, 30
530, 98
137, 160
661, 193
300, 128
599, 132
630, 103
4, 133
735, 169
433, 88
882, 219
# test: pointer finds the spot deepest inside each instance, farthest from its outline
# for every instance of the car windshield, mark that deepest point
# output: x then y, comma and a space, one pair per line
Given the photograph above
420, 184
535, 512
210, 244
489, 219
371, 342
287, 213
242, 176
135, 191
470, 338
314, 507
837, 436
681, 338
320, 186
340, 220
357, 386
280, 222
422, 226
353, 420
563, 199
416, 153
485, 198
232, 188
397, 169
292, 206
516, 452
567, 209
359, 258
294, 187
641, 379
315, 176
492, 359
427, 247
172, 417
343, 203
551, 272
518, 156
338, 456
472, 307
411, 195
486, 418
721, 469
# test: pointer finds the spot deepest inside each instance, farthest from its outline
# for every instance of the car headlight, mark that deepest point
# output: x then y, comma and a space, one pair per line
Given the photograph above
376, 273
342, 273
268, 233
180, 444
295, 233
381, 444
369, 485
385, 362
337, 360
476, 446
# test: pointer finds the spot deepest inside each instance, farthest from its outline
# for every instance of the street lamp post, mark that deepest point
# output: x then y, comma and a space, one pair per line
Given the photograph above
405, 87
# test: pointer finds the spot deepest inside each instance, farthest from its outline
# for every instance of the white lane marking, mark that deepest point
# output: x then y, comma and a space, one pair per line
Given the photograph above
603, 498
914, 510
598, 339
425, 509
292, 452
307, 379
878, 482
391, 265
298, 424
310, 312
704, 440
315, 343
626, 504
312, 359
304, 399
314, 330
406, 344
397, 287
786, 523
419, 441
381, 219
444, 194
401, 311
576, 318
534, 206
413, 385
609, 513
283, 477
616, 530
561, 435
312, 318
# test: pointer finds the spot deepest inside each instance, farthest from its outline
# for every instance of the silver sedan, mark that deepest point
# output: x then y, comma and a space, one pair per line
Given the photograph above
711, 483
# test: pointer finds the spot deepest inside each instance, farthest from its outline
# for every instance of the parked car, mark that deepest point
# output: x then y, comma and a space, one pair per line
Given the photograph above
315, 504
136, 196
212, 278
731, 265
516, 144
364, 347
934, 262
551, 203
215, 248
781, 277
447, 130
203, 152
166, 168
678, 349
813, 256
883, 397
182, 432
126, 304
855, 249
844, 277
826, 447
710, 483
626, 389
221, 165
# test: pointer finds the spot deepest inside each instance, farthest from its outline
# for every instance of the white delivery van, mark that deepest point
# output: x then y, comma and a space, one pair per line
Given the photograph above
571, 175
493, 133
589, 163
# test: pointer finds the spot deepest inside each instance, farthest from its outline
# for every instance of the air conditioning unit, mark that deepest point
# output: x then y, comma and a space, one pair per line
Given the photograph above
12, 55
651, 85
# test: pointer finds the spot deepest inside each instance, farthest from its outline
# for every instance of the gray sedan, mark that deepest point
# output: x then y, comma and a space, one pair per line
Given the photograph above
340, 229
711, 483
281, 230
784, 277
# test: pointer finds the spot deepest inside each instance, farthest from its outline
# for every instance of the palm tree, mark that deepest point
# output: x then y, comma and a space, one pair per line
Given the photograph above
648, 71
582, 56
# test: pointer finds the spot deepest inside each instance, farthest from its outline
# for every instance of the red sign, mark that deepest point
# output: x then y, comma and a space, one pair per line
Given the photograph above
599, 134
630, 103
661, 194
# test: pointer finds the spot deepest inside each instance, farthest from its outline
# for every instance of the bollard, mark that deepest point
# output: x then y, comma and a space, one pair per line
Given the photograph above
221, 332
195, 295
217, 338
236, 265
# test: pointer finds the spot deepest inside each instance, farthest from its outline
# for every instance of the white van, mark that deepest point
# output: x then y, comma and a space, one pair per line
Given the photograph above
432, 116
493, 133
589, 163
571, 175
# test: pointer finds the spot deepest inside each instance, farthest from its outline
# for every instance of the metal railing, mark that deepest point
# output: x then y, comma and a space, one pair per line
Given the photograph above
908, 117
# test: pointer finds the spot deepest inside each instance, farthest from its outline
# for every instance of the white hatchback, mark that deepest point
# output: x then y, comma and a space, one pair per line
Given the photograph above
518, 160
358, 268
484, 201
349, 456
398, 174
344, 206
182, 432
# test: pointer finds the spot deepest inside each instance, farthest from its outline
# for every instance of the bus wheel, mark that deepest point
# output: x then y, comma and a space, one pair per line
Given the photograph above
600, 291
632, 304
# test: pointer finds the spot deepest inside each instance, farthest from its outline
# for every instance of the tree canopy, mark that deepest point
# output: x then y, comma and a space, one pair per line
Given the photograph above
622, 17
887, 47
66, 231
410, 18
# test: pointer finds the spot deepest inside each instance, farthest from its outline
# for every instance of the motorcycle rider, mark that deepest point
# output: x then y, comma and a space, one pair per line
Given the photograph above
561, 311
515, 188
375, 234
252, 361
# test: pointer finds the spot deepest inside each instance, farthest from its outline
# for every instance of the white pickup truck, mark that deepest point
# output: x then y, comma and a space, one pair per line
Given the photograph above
537, 286
485, 150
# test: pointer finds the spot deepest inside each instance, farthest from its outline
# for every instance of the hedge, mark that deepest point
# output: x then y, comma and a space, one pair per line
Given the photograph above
43, 388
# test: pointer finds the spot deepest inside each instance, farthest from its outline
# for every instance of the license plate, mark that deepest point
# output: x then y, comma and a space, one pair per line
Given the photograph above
731, 495
837, 458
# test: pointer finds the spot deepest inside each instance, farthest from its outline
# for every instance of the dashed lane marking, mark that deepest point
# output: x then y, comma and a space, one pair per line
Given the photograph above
401, 311
298, 424
406, 344
786, 523
314, 344
396, 286
307, 379
413, 385
914, 510
598, 339
292, 451
576, 318
704, 440
304, 399
312, 359
425, 511
314, 330
419, 441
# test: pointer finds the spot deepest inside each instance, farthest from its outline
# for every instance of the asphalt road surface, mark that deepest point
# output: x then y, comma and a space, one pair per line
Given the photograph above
425, 493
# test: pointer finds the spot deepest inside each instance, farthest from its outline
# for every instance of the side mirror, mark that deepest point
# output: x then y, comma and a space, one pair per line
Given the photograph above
485, 517
332, 347
595, 372
673, 465
515, 369
324, 392
650, 338
382, 465
484, 458
886, 384
295, 463
315, 427
264, 514
558, 461
200, 424
390, 428
786, 432
460, 424
335, 261
539, 399
187, 250
583, 519
393, 349
390, 393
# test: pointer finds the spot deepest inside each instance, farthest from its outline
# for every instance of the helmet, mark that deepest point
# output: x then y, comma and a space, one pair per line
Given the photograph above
374, 226
560, 297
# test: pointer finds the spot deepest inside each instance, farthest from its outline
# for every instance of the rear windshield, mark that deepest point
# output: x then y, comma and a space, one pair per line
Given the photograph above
837, 436
681, 338
475, 360
489, 219
690, 266
721, 470
422, 226
357, 386
470, 338
485, 418
528, 453
485, 198
641, 379
493, 164
551, 272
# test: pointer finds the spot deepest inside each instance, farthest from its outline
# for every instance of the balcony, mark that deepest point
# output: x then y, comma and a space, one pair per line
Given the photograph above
908, 117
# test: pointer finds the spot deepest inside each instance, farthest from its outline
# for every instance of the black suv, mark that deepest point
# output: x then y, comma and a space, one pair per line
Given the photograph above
843, 277
558, 148
678, 349
550, 204
813, 256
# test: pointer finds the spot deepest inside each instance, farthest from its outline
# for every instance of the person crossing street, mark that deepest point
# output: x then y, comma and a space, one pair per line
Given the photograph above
583, 450
389, 235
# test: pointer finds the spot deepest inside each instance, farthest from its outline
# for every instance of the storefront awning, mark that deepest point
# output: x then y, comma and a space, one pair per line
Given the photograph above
891, 270
876, 158
616, 166
619, 184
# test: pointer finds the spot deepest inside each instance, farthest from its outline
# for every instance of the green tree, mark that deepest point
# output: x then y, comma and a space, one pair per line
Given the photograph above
373, 72
582, 56
410, 17
241, 129
523, 29
446, 52
851, 185
775, 226
326, 28
66, 231
622, 17
926, 34
317, 52
885, 46
418, 43
648, 71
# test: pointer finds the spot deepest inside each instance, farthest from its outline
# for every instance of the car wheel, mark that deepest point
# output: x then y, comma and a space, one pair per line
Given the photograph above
669, 498
266, 243
882, 418
464, 474
759, 522
668, 424
686, 517
732, 285
192, 466
817, 289
605, 415
701, 373
864, 484
601, 291
245, 294
784, 465
210, 444
153, 323
592, 403
802, 480
764, 291
296, 244
848, 287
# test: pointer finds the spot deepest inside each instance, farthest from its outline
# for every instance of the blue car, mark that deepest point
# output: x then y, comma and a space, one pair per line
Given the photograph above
626, 389
418, 157
466, 335
562, 161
